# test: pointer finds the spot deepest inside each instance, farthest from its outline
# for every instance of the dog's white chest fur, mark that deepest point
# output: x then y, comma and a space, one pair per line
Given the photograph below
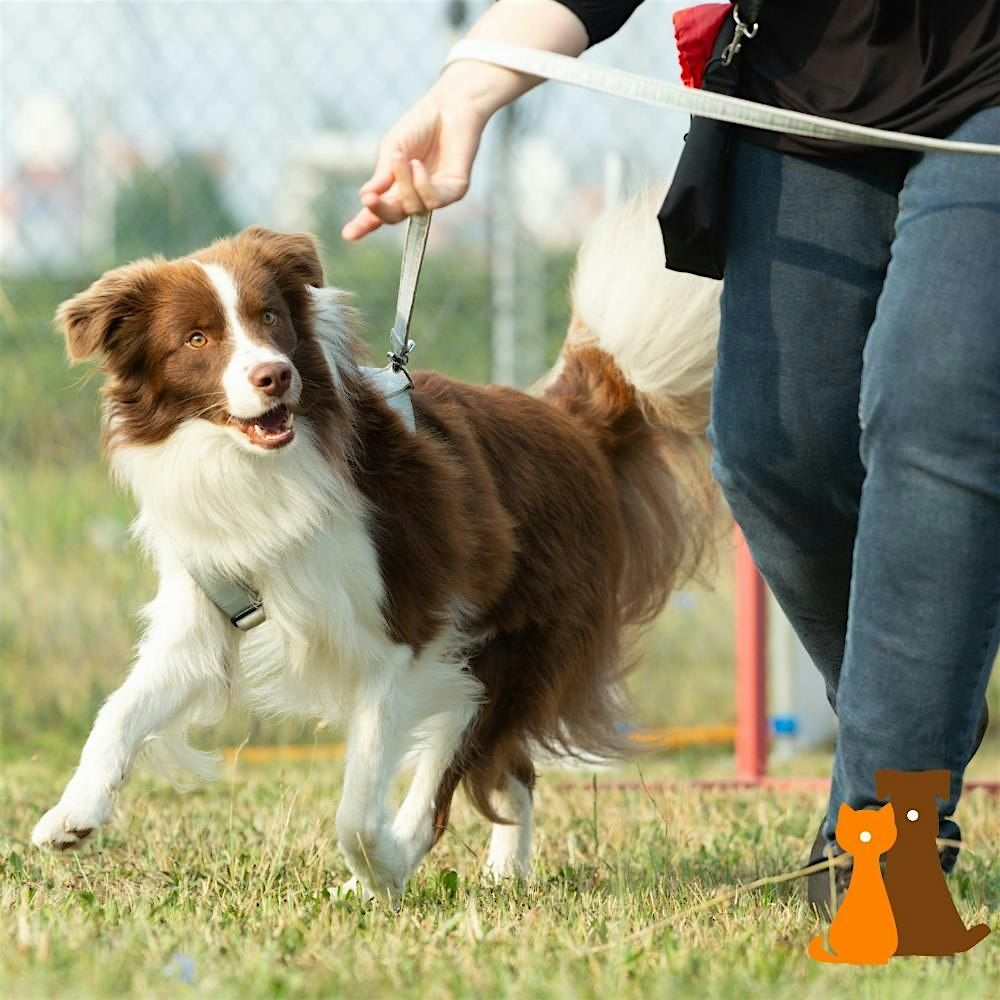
290, 527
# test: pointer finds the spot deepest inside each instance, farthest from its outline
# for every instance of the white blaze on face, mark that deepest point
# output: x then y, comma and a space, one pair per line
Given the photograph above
243, 399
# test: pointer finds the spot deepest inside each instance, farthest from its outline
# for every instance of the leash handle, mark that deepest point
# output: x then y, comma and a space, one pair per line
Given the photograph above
701, 103
414, 245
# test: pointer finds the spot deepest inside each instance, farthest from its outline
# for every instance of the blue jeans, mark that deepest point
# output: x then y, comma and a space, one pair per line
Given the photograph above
856, 427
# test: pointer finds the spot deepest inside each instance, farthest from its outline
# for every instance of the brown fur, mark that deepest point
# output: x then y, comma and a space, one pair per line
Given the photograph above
558, 522
138, 318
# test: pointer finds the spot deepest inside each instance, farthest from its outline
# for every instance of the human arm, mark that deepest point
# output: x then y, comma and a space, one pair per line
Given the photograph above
425, 159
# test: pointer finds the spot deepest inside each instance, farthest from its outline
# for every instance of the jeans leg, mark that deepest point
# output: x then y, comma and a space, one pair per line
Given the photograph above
924, 616
808, 245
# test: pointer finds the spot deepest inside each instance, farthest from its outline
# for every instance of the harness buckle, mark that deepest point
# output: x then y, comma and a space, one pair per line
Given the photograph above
250, 617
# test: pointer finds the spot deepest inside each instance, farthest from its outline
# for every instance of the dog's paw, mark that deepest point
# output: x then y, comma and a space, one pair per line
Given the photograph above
503, 870
377, 862
71, 822
352, 887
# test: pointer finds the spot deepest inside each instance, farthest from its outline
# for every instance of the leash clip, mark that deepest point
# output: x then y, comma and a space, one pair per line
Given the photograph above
399, 361
742, 31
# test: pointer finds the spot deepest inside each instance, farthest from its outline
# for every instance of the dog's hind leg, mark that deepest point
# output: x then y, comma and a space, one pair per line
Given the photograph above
510, 843
181, 661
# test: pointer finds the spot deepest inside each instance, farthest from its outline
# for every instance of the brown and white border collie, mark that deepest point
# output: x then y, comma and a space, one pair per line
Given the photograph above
461, 594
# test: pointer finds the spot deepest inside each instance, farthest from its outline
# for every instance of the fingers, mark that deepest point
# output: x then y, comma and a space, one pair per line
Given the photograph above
424, 162
381, 180
382, 177
362, 224
406, 194
425, 190
411, 191
395, 201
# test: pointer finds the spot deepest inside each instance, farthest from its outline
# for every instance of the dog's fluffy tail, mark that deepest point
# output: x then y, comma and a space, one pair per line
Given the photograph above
636, 370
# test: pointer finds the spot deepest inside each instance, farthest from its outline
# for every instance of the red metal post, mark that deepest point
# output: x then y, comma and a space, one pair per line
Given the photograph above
751, 667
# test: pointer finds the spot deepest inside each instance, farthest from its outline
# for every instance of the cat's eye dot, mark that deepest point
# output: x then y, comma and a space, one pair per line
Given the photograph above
913, 815
864, 836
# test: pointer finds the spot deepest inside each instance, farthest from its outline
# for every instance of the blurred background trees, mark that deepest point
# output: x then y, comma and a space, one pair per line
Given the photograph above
171, 209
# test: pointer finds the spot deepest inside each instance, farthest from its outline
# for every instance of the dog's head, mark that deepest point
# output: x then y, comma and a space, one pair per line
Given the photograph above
914, 796
225, 335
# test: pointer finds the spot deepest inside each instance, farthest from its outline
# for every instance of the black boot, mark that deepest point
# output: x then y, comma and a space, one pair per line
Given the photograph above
818, 884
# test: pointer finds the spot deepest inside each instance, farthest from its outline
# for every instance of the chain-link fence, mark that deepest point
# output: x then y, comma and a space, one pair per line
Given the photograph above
144, 127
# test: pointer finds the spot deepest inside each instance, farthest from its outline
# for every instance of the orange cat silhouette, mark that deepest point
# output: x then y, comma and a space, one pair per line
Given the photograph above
864, 930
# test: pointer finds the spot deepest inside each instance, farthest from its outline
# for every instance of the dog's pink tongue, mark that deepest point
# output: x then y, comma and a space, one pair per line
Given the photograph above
273, 421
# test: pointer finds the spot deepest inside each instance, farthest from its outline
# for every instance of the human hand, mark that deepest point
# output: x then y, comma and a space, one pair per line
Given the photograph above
425, 159
425, 162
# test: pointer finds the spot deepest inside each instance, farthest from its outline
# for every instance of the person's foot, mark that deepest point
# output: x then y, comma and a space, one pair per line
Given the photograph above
818, 884
818, 887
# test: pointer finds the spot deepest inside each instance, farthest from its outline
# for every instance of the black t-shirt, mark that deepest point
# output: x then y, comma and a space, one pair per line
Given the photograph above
916, 66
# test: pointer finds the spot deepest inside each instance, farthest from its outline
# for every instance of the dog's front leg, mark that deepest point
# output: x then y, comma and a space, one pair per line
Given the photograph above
181, 659
377, 734
439, 738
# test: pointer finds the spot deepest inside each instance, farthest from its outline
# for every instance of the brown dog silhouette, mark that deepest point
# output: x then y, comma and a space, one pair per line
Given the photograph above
927, 922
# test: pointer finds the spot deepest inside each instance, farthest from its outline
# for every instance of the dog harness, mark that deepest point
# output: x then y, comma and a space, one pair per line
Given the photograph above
239, 602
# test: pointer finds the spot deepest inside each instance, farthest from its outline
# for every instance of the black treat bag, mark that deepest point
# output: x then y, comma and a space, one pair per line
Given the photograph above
694, 213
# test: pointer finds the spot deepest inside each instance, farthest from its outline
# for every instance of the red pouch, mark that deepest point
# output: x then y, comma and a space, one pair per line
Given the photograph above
696, 29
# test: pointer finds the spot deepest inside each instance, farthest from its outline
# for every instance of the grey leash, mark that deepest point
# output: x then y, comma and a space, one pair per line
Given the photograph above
393, 381
701, 103
414, 246
239, 602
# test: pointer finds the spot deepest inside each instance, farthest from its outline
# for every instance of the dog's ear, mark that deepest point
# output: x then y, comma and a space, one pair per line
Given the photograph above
940, 782
885, 783
90, 319
294, 256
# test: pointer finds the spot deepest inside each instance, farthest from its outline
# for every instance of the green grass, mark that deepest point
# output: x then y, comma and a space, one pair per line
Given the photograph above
223, 892
227, 886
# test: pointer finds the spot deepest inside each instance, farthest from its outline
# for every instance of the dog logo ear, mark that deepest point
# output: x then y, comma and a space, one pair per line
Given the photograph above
941, 782
294, 256
90, 319
884, 783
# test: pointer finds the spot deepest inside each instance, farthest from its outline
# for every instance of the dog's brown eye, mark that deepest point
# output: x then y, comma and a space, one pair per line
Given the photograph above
197, 340
268, 317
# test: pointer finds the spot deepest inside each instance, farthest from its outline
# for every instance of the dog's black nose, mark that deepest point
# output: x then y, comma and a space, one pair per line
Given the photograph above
272, 378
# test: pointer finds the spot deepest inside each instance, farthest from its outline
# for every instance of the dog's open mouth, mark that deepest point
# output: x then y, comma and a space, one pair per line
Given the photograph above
269, 430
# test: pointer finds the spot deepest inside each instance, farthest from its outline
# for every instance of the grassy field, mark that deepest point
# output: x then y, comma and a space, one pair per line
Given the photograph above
225, 892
